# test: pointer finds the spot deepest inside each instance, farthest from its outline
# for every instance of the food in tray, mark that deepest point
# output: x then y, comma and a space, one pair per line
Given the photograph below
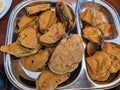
105, 27
49, 80
88, 16
91, 48
35, 9
104, 62
17, 50
66, 16
67, 55
100, 63
114, 53
42, 43
54, 34
35, 62
27, 36
112, 49
92, 34
46, 20
26, 21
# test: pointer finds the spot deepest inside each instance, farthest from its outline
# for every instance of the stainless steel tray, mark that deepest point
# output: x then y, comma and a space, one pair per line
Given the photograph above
23, 79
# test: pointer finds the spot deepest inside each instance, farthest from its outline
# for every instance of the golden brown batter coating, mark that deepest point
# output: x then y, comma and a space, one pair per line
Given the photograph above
99, 65
17, 50
35, 62
34, 9
46, 20
55, 33
28, 38
49, 80
88, 16
67, 55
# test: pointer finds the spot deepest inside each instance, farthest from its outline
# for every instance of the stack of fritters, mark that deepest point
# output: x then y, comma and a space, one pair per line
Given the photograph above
100, 63
90, 31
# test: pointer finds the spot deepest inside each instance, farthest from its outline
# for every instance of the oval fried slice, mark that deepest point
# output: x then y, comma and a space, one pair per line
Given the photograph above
55, 33
49, 80
17, 50
67, 55
35, 62
28, 38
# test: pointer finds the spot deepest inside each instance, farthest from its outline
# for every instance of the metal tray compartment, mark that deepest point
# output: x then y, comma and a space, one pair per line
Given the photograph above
16, 73
80, 79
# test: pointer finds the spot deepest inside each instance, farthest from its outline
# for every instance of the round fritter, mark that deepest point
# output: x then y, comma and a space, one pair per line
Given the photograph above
35, 62
67, 55
49, 80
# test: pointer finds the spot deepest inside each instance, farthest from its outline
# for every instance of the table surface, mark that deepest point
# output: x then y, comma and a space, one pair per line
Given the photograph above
3, 27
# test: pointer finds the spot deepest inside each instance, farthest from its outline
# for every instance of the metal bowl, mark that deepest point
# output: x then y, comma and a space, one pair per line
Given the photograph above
24, 79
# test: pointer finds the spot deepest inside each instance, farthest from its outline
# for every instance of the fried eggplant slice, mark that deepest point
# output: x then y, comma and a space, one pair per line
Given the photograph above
35, 62
67, 55
55, 33
49, 80
92, 34
88, 16
17, 50
46, 20
112, 49
28, 38
91, 48
25, 21
99, 65
65, 14
35, 9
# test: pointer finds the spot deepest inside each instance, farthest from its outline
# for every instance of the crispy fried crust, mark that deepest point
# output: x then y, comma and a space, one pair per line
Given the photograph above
92, 34
67, 55
25, 21
88, 16
35, 62
98, 66
34, 9
55, 33
65, 14
46, 20
115, 66
17, 50
49, 80
105, 27
112, 49
28, 38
